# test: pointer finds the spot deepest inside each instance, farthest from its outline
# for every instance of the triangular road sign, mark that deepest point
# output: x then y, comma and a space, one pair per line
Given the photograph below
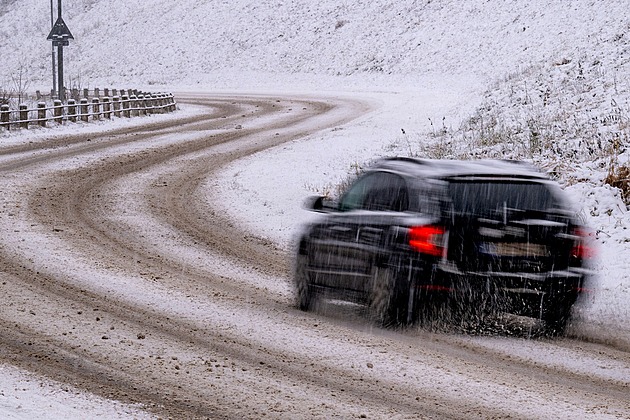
59, 31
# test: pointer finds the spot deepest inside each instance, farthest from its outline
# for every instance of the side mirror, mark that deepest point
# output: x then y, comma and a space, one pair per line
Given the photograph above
319, 203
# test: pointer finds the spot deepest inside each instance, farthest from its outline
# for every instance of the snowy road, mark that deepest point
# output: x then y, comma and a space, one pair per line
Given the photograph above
122, 274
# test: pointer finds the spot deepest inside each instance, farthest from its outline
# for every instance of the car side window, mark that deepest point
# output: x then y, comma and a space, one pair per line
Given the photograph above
431, 200
378, 191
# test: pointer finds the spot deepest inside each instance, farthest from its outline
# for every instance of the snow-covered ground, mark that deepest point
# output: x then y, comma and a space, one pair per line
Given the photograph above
25, 396
548, 77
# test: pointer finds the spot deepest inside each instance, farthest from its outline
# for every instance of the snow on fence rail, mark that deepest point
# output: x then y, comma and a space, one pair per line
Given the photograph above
127, 104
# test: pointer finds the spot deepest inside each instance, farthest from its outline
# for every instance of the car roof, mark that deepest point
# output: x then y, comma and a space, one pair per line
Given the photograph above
446, 168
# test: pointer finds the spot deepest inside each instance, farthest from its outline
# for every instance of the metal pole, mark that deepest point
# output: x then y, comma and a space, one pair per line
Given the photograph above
54, 65
62, 93
60, 62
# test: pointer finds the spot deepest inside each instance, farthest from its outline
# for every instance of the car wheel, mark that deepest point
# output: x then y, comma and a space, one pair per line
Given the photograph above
431, 311
305, 295
557, 318
388, 305
430, 307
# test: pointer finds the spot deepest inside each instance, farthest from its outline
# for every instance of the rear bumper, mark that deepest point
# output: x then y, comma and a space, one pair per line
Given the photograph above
573, 278
520, 293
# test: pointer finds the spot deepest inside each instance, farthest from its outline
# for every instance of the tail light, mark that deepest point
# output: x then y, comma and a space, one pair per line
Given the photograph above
427, 239
583, 246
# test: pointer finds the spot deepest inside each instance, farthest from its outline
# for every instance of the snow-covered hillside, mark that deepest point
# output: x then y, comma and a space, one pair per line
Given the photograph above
192, 41
553, 74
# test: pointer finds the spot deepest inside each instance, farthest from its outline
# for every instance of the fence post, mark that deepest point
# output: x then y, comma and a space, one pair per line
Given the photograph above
97, 92
41, 114
75, 94
107, 108
151, 103
114, 92
106, 92
23, 116
167, 103
142, 105
125, 105
163, 103
148, 102
133, 105
83, 109
72, 110
156, 104
171, 99
4, 116
58, 111
150, 98
96, 108
116, 103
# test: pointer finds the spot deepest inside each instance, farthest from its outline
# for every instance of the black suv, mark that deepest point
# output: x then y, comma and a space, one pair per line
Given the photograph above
411, 236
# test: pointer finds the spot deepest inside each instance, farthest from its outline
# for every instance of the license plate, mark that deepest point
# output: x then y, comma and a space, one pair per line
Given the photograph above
514, 249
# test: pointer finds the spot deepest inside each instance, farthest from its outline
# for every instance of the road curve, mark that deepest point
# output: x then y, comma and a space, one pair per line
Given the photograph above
122, 276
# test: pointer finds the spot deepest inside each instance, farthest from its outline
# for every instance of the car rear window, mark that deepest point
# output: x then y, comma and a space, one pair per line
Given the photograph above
488, 198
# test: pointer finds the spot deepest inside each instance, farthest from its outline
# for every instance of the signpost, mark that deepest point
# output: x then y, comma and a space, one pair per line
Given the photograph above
54, 62
60, 36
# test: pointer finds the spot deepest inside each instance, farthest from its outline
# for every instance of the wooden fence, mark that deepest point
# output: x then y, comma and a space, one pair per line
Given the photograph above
126, 104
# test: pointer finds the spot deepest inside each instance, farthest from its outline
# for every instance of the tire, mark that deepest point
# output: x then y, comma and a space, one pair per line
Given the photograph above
304, 293
387, 302
430, 311
557, 318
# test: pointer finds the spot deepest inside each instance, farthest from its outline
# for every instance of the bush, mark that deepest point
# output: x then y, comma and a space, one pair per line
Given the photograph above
619, 177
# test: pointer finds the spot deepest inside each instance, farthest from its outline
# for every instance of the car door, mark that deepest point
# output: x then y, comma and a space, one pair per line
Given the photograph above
344, 246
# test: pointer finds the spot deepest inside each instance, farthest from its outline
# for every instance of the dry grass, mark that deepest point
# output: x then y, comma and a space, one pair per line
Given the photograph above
619, 177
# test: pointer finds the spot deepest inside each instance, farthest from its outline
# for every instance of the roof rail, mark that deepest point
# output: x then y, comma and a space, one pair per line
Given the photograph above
404, 159
522, 163
514, 161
